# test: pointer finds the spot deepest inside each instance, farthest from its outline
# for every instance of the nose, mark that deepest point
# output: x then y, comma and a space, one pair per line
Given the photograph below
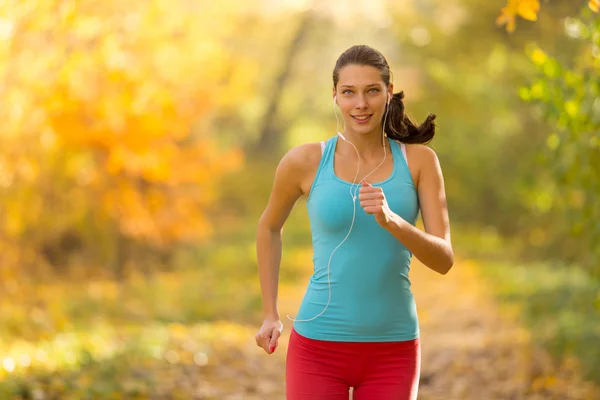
361, 101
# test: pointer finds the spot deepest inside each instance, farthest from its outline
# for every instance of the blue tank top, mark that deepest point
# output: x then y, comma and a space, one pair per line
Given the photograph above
371, 297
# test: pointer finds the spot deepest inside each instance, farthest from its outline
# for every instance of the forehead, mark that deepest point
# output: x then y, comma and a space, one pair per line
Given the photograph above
359, 75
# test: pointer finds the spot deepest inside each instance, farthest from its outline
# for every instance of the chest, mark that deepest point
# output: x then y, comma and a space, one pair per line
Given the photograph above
332, 210
375, 170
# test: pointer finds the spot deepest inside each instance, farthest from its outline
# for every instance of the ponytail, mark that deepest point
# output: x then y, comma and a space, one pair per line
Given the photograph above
400, 127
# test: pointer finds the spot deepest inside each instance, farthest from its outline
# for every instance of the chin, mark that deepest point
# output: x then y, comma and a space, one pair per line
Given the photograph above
364, 130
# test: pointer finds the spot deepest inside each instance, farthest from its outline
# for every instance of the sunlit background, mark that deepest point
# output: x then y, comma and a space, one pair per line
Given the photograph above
139, 141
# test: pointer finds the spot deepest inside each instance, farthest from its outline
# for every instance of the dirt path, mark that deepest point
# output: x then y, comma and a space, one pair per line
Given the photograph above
471, 351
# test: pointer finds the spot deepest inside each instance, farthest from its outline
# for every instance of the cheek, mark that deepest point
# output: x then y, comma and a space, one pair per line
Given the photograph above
378, 105
346, 111
345, 106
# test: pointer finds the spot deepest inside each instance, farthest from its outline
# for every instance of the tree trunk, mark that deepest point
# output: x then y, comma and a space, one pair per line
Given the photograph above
270, 137
121, 255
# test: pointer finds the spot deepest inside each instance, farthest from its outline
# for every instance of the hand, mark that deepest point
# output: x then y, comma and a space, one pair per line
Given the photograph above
268, 334
373, 202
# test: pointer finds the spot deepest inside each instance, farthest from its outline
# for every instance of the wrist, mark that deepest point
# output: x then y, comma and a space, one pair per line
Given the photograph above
271, 314
396, 223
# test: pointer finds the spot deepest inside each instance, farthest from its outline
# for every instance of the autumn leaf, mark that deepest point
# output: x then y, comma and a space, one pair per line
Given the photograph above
116, 98
594, 5
526, 9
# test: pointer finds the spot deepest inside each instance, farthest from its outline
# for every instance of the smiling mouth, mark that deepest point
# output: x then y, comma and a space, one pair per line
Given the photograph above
362, 118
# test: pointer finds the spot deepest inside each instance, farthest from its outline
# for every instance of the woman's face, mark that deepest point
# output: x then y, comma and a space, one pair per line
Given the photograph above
362, 96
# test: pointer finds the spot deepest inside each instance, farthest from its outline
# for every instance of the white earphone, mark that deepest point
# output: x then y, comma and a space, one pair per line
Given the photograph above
353, 195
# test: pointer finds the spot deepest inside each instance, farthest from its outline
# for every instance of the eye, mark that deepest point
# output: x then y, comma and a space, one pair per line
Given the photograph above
347, 91
374, 90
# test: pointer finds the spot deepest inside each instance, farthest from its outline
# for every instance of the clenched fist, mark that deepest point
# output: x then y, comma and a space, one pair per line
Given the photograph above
372, 200
268, 334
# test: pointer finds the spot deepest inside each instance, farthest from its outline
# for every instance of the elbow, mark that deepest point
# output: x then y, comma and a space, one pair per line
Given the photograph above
446, 266
265, 225
445, 269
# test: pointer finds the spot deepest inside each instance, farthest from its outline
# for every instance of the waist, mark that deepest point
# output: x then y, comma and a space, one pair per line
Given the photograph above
363, 312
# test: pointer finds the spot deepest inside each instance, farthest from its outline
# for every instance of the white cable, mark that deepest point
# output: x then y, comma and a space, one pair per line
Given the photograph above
353, 195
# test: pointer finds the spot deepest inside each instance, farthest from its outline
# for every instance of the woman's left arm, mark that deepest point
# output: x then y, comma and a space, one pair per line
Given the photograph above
432, 247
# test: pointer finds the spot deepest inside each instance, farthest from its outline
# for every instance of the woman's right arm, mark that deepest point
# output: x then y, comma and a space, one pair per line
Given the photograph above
287, 188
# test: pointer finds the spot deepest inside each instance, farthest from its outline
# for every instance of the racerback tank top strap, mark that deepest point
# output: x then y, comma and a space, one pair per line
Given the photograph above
401, 162
323, 171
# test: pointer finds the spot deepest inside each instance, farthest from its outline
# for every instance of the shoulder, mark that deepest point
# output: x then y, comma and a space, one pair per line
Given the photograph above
423, 161
301, 158
421, 155
421, 151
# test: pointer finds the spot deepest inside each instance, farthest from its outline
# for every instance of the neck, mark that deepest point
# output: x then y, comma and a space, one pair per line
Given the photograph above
367, 145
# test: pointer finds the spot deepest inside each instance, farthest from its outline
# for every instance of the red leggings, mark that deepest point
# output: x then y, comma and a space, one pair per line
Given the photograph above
325, 370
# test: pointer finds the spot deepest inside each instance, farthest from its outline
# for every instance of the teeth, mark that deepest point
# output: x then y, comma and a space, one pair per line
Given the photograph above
362, 118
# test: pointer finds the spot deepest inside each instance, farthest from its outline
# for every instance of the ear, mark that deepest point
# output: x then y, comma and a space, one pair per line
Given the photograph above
334, 96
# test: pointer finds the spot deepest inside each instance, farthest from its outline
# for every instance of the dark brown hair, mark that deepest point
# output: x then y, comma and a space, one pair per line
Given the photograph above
398, 125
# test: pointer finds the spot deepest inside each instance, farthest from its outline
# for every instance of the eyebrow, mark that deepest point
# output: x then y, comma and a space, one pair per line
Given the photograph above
372, 84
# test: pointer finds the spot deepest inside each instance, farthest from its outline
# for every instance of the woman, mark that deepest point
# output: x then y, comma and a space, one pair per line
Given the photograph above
357, 325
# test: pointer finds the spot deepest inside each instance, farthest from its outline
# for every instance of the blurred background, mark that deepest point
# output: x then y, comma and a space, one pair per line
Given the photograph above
138, 144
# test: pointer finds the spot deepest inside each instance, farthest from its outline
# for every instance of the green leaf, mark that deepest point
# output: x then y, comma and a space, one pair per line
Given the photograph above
572, 108
538, 90
525, 94
553, 141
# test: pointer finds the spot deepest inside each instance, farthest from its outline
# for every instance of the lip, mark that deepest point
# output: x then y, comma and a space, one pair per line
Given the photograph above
362, 121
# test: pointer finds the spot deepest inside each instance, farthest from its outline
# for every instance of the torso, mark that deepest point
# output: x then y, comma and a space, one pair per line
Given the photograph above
360, 288
345, 165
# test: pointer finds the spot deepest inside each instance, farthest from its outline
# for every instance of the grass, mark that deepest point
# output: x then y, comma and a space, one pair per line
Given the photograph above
559, 304
102, 339
108, 363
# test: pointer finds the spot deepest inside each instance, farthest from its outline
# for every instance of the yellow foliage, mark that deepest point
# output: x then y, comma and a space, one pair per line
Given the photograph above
526, 9
121, 85
538, 57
